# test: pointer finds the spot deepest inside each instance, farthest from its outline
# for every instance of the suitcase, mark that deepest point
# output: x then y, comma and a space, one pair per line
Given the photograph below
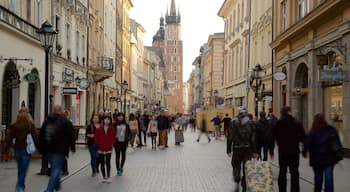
258, 176
179, 136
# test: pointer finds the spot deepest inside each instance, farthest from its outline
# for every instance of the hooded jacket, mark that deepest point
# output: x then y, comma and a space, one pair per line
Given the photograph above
56, 135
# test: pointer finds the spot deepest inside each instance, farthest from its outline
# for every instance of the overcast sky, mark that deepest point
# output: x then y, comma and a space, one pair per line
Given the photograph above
198, 20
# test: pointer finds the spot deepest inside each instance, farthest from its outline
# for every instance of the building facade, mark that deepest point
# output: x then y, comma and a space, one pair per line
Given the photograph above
70, 58
21, 53
261, 53
310, 43
213, 64
236, 14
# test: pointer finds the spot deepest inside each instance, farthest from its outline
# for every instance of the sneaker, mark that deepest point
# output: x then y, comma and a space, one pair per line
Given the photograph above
119, 173
65, 173
197, 140
166, 146
108, 180
93, 174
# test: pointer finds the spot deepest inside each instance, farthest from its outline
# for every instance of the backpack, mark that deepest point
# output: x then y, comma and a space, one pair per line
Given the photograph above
244, 133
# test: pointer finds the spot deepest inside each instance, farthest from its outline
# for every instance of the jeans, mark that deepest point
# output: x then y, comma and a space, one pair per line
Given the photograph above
105, 160
291, 162
217, 131
120, 148
265, 150
93, 156
23, 160
327, 173
56, 161
132, 138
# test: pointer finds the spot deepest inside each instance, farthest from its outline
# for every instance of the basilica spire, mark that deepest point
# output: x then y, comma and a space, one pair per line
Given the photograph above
172, 8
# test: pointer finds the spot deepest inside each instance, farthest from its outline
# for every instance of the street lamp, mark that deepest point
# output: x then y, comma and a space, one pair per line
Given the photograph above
125, 87
47, 37
257, 69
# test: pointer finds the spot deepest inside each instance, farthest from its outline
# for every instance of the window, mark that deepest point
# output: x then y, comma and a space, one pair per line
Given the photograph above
175, 50
68, 38
302, 8
175, 68
175, 77
77, 48
284, 15
29, 11
83, 49
58, 31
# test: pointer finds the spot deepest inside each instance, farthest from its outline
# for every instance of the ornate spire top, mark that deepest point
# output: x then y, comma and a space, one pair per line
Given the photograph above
173, 8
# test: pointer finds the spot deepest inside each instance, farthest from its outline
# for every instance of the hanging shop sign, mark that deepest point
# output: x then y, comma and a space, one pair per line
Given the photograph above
68, 75
31, 77
70, 91
279, 76
332, 75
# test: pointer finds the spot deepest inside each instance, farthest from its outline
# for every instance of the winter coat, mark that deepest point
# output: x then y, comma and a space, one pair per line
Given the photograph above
20, 136
263, 131
103, 140
318, 143
57, 135
288, 133
163, 122
242, 135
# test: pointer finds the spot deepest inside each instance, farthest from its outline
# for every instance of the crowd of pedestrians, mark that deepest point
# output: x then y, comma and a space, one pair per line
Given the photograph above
246, 138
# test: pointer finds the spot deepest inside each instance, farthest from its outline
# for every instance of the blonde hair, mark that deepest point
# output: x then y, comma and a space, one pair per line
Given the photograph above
24, 119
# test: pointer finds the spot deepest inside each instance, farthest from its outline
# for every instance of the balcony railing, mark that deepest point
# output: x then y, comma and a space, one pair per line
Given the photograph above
18, 23
105, 63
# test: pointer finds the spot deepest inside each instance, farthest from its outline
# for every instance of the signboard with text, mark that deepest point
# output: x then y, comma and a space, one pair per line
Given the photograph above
70, 91
331, 75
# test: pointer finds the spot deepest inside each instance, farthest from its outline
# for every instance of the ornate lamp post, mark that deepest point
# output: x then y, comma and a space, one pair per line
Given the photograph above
125, 87
47, 38
257, 69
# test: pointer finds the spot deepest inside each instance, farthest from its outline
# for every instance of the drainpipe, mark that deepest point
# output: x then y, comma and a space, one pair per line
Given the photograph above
272, 52
249, 40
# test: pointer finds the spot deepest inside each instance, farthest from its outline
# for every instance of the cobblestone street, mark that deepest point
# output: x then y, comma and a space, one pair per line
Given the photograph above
186, 168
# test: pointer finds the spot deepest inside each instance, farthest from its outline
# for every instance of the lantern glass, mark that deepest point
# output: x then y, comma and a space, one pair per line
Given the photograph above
47, 35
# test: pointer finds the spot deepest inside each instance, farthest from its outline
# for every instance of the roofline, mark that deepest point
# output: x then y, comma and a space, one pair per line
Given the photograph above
221, 10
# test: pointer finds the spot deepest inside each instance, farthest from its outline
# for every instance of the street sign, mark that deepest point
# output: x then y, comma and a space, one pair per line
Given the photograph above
267, 98
31, 77
279, 76
70, 91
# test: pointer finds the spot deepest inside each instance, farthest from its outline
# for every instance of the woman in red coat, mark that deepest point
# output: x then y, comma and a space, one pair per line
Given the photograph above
104, 139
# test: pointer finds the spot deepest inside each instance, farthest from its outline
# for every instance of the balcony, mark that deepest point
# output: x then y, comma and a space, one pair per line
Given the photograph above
18, 23
104, 68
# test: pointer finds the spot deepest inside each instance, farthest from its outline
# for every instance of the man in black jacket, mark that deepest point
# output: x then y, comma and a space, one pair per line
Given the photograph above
56, 138
288, 133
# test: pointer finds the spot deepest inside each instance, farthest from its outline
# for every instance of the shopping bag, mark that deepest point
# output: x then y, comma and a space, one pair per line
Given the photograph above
137, 140
258, 176
30, 144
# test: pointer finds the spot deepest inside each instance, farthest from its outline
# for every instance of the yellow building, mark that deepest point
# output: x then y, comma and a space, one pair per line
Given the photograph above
213, 68
236, 17
311, 39
261, 53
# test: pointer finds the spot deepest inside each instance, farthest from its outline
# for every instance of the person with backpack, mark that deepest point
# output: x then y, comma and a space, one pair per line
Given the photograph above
56, 138
243, 145
263, 135
90, 135
19, 132
288, 133
104, 138
121, 142
322, 144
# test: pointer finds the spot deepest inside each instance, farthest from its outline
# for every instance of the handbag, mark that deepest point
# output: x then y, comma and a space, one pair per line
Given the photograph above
336, 147
30, 144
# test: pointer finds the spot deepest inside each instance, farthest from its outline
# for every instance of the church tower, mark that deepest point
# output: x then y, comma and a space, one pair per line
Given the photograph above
173, 57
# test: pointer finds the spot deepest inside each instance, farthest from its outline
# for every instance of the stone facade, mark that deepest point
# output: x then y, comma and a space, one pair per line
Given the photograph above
236, 15
306, 31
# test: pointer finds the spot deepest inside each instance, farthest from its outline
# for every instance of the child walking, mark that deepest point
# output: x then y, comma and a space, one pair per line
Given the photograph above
153, 130
104, 139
